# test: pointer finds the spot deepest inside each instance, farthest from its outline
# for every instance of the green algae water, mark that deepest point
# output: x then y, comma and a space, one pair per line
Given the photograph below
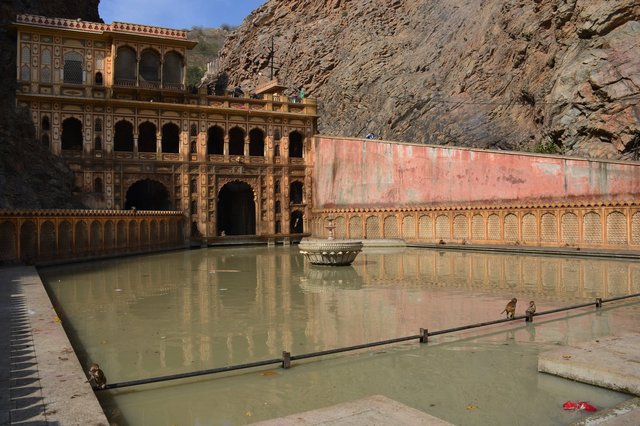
178, 312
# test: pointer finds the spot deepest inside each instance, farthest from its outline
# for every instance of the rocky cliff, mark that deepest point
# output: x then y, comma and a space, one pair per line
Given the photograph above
544, 75
31, 177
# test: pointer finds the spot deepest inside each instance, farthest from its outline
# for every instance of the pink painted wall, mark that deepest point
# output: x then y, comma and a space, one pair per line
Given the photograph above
366, 173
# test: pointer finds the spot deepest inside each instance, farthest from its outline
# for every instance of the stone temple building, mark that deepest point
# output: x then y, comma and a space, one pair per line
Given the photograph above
111, 100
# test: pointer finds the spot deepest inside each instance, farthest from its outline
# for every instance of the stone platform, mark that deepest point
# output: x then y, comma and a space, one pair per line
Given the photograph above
612, 363
374, 410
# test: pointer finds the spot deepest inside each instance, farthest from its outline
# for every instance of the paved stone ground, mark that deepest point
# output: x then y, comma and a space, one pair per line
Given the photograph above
374, 410
41, 380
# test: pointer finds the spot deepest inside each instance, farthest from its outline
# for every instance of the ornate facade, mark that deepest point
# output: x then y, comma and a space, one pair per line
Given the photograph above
111, 100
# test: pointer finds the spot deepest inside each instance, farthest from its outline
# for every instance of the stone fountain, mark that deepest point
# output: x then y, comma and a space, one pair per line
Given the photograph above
330, 252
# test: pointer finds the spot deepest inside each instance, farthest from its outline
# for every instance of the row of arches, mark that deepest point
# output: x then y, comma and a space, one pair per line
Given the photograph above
556, 228
149, 68
124, 140
33, 240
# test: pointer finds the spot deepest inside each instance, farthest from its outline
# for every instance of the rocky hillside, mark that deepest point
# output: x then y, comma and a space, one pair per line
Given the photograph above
30, 177
541, 75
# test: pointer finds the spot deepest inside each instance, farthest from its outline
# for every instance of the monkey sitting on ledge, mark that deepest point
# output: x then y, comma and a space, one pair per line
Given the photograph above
97, 376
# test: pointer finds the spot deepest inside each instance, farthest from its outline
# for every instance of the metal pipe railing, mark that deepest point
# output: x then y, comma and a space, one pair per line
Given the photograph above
422, 337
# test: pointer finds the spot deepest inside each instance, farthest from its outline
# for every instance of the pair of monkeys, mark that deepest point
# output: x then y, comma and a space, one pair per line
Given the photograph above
510, 309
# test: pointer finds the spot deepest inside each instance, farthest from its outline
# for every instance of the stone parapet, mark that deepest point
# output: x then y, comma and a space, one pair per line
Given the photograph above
56, 236
594, 225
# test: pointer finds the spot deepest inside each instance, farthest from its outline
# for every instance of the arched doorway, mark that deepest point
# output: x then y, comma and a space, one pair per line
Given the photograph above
123, 138
236, 141
147, 140
236, 210
148, 195
296, 222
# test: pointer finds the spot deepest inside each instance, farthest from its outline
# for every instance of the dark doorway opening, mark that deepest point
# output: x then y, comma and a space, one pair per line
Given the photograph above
296, 144
296, 223
256, 143
215, 140
236, 210
147, 139
148, 195
72, 134
170, 138
123, 138
295, 192
236, 141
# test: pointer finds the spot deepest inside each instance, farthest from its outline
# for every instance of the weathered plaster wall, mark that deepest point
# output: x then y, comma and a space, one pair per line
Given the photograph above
366, 173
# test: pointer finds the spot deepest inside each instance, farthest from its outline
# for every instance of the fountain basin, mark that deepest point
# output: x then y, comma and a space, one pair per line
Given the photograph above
330, 252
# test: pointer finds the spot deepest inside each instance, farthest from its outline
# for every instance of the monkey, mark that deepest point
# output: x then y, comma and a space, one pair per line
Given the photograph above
531, 310
510, 309
532, 307
97, 376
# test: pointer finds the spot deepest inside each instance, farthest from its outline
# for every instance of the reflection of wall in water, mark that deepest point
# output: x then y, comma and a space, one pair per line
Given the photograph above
536, 275
285, 306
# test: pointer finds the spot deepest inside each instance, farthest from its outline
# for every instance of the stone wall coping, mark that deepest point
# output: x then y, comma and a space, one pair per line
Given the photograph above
85, 213
443, 208
482, 150
98, 27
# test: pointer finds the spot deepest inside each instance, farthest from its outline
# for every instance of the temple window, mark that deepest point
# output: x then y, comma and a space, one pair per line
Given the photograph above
296, 192
236, 141
256, 143
147, 139
45, 73
172, 70
170, 138
215, 140
123, 138
149, 68
72, 134
295, 144
72, 68
97, 186
125, 66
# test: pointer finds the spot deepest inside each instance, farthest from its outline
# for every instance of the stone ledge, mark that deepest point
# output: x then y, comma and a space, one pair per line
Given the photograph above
373, 410
611, 363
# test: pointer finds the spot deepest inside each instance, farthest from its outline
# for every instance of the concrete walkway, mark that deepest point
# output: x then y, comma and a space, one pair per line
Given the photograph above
41, 380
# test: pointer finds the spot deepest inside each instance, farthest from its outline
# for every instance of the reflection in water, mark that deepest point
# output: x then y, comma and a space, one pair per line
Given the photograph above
178, 312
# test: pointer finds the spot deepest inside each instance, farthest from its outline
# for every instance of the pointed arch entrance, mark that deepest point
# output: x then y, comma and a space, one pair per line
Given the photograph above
148, 194
236, 209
